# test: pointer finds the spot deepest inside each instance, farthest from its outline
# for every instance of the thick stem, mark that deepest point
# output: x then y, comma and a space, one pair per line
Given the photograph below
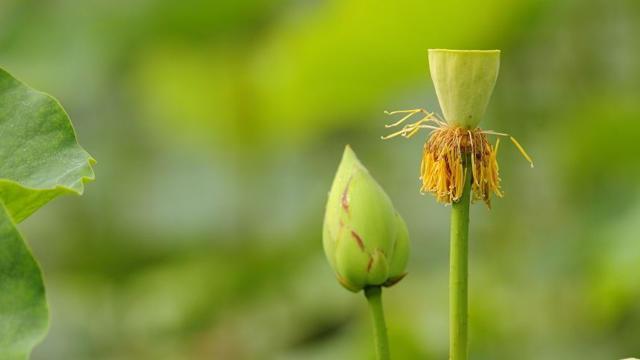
374, 297
459, 271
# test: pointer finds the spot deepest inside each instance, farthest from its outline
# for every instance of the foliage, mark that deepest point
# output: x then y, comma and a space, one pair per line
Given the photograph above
39, 160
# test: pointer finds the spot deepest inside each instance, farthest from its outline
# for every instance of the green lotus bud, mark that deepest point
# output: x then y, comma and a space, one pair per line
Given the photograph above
364, 238
464, 81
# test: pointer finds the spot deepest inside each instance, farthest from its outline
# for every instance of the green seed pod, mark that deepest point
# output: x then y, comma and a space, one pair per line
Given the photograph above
364, 238
464, 81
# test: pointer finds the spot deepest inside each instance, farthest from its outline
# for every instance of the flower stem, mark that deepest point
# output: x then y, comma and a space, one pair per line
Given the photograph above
374, 297
459, 271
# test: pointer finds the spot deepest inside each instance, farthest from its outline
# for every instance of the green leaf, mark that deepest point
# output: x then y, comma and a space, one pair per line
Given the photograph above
39, 160
23, 307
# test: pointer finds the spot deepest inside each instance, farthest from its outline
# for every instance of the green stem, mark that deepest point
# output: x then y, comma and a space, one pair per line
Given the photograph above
459, 272
374, 297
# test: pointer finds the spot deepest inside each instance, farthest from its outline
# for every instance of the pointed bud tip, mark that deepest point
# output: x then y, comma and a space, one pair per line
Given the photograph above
350, 159
348, 153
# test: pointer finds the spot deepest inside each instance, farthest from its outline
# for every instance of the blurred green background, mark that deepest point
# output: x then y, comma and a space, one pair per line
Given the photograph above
218, 126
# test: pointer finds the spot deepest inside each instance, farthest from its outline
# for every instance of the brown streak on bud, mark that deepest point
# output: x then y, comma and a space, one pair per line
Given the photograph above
392, 281
370, 264
345, 197
358, 239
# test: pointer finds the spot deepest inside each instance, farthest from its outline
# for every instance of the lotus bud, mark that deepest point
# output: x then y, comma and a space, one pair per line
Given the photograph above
364, 238
464, 81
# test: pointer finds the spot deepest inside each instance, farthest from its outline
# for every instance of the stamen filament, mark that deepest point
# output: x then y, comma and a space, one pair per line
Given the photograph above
514, 141
400, 121
524, 153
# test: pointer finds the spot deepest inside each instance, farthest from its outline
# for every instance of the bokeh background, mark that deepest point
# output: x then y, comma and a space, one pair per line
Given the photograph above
218, 125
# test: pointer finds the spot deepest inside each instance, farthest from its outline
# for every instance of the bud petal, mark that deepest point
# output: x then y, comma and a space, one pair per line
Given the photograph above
398, 262
377, 268
464, 81
364, 238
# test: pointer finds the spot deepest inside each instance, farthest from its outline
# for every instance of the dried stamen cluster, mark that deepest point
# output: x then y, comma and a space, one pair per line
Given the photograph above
442, 171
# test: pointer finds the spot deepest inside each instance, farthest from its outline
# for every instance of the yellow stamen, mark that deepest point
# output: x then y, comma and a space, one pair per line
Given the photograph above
403, 131
441, 171
411, 129
514, 141
411, 113
524, 153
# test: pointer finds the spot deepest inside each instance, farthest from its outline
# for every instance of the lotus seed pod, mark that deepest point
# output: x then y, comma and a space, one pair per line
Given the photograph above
364, 238
464, 81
